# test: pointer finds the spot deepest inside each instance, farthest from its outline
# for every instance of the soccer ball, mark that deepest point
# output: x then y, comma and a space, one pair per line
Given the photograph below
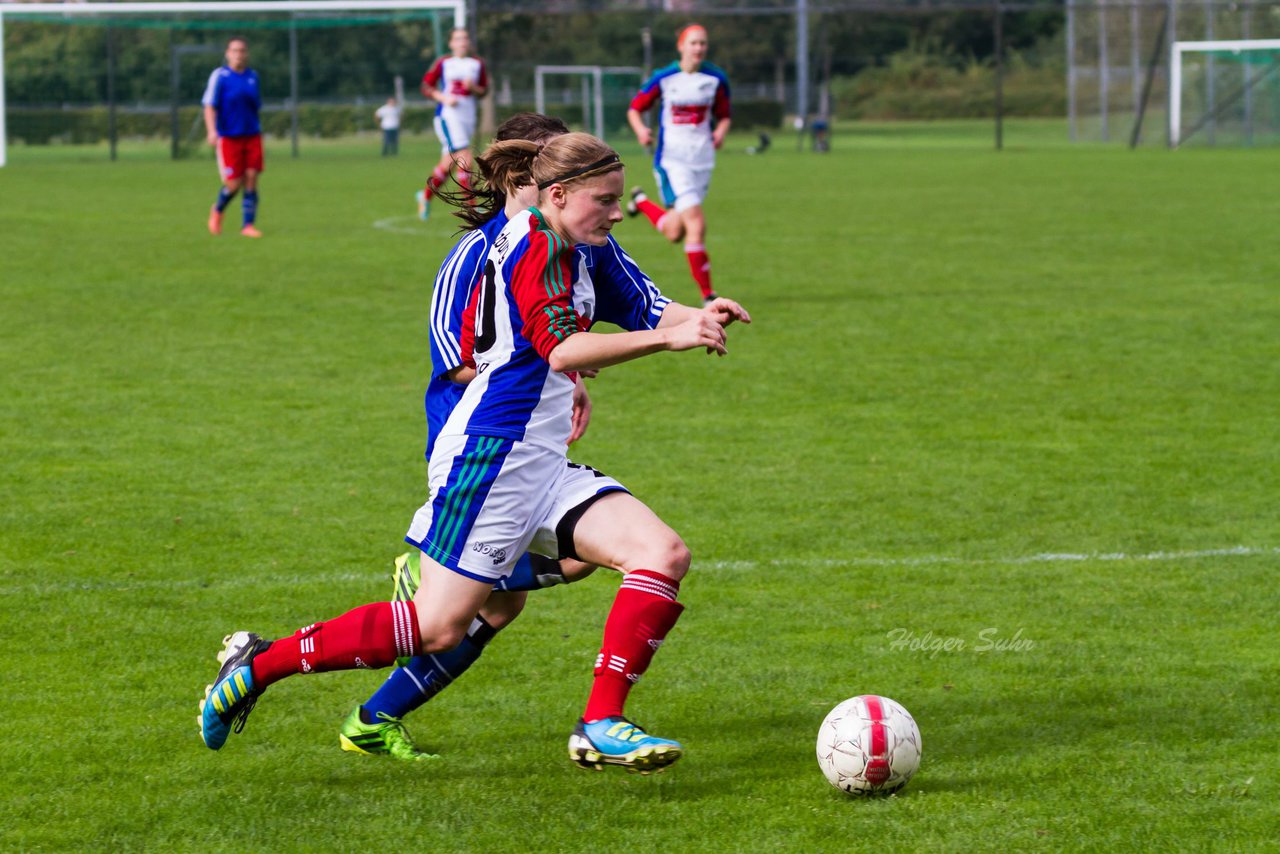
869, 745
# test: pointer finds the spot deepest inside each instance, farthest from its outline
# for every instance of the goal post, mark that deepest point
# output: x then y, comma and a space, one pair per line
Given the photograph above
211, 9
1232, 84
592, 80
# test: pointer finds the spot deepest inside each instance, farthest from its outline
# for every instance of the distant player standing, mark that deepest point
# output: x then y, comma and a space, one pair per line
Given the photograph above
454, 82
693, 124
231, 104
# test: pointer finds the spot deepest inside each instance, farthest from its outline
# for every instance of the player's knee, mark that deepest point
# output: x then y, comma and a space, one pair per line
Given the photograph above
436, 637
502, 609
669, 556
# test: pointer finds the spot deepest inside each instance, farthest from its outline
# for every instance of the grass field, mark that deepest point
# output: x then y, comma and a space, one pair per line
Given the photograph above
1029, 397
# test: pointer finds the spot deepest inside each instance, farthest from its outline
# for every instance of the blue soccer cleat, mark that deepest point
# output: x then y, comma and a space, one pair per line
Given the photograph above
228, 701
617, 741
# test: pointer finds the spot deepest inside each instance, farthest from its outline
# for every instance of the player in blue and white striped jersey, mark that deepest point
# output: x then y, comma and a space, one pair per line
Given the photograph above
374, 727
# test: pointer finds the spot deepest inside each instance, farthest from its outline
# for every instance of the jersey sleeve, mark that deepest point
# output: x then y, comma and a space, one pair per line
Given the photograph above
648, 95
210, 98
539, 282
625, 296
720, 108
454, 288
434, 73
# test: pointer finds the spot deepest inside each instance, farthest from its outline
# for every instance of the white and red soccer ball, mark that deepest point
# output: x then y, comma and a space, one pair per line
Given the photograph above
869, 745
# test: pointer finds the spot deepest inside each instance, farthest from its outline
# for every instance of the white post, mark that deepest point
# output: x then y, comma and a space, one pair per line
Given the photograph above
1175, 93
598, 77
4, 137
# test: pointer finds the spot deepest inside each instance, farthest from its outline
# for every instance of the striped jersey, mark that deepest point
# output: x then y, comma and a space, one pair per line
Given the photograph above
449, 74
692, 103
236, 98
532, 291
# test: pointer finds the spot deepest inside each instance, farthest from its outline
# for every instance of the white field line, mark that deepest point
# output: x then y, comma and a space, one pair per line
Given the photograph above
396, 224
379, 571
1043, 557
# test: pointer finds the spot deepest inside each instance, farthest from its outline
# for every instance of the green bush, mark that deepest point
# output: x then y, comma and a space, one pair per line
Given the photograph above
915, 85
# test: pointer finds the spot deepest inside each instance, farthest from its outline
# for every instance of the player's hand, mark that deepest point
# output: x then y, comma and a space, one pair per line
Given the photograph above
644, 137
726, 311
701, 330
581, 415
212, 137
449, 99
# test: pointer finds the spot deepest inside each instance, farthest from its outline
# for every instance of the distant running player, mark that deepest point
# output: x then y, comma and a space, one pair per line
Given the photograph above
693, 124
231, 104
454, 82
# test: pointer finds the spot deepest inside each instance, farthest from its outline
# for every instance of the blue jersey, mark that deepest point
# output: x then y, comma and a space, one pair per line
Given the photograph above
625, 296
236, 98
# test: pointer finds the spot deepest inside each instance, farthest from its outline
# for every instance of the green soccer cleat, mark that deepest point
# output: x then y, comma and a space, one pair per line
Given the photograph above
228, 701
386, 738
405, 578
617, 741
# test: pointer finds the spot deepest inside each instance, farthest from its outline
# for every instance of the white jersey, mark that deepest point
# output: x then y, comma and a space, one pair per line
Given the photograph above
457, 76
692, 102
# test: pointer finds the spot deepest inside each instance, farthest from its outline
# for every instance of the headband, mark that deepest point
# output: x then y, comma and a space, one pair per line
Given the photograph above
604, 161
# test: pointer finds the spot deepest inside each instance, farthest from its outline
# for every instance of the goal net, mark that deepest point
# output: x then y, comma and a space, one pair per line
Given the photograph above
102, 72
595, 98
1224, 92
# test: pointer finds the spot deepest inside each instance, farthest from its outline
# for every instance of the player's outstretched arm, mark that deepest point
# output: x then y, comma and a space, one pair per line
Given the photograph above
725, 311
587, 350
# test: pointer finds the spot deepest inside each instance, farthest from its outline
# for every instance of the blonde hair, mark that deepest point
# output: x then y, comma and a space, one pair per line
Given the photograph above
571, 157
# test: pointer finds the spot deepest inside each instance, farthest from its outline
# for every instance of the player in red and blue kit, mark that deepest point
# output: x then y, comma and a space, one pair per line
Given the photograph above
694, 119
500, 481
231, 104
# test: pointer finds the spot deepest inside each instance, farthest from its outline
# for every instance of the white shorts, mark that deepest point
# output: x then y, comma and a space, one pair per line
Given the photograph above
494, 499
454, 131
682, 186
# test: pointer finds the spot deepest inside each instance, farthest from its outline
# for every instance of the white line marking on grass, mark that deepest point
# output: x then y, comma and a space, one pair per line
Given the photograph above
1045, 557
393, 224
379, 574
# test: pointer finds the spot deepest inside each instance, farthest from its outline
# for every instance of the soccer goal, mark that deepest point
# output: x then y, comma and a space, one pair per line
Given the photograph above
156, 56
1224, 92
601, 92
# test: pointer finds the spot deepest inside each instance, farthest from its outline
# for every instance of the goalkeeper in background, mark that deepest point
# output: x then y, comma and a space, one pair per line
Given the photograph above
231, 104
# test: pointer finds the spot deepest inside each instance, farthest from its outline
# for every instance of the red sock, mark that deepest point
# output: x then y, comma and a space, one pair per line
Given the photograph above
438, 177
700, 266
643, 612
369, 636
654, 211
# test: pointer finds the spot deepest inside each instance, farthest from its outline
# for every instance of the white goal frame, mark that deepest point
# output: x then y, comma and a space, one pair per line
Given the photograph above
1176, 52
592, 88
208, 7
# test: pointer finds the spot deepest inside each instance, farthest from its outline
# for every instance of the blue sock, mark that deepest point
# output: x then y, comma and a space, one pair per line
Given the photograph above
249, 205
532, 572
224, 198
411, 686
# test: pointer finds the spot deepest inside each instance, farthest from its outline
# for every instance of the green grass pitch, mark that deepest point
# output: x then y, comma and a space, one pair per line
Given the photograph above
1027, 397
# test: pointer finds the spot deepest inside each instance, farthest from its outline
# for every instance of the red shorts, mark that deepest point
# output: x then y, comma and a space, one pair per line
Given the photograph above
237, 154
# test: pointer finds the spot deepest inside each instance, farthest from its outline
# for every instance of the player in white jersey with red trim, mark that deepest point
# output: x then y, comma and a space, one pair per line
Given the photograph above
454, 82
693, 121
